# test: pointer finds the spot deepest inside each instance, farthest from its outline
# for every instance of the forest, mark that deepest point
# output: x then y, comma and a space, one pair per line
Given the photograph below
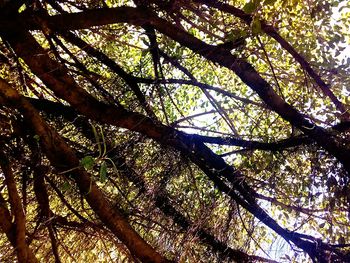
174, 131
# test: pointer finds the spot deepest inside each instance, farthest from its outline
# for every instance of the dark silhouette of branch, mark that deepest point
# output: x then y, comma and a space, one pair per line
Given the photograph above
272, 32
16, 231
63, 158
225, 177
113, 66
223, 57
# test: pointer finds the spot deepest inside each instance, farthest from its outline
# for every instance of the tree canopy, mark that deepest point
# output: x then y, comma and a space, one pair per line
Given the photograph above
174, 131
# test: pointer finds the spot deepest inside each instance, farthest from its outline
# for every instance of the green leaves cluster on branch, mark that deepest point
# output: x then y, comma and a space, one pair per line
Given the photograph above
169, 131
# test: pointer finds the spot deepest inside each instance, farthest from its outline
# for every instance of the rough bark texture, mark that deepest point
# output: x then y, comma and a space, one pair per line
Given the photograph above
221, 56
63, 158
226, 178
18, 226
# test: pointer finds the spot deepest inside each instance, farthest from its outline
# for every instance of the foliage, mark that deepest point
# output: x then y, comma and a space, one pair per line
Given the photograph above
185, 131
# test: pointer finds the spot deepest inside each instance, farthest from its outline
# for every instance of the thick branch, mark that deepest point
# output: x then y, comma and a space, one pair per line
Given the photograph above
64, 86
44, 205
163, 202
63, 158
21, 42
9, 229
56, 109
255, 145
272, 32
17, 209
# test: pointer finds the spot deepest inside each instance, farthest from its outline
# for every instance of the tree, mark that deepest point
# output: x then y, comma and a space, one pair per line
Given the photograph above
165, 131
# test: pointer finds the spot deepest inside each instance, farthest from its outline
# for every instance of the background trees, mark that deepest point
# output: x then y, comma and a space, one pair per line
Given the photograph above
174, 131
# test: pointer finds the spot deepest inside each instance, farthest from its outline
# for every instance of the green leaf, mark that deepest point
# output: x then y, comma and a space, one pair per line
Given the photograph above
87, 162
103, 172
256, 26
249, 7
231, 36
36, 137
66, 186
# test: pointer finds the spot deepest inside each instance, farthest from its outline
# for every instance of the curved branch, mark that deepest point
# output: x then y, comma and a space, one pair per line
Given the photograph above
272, 32
16, 208
63, 158
9, 229
113, 66
57, 109
22, 40
223, 175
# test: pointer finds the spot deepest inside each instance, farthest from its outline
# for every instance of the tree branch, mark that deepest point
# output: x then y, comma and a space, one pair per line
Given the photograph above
272, 32
63, 158
22, 40
17, 209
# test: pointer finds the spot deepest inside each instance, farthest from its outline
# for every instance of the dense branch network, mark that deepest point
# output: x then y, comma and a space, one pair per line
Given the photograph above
47, 43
